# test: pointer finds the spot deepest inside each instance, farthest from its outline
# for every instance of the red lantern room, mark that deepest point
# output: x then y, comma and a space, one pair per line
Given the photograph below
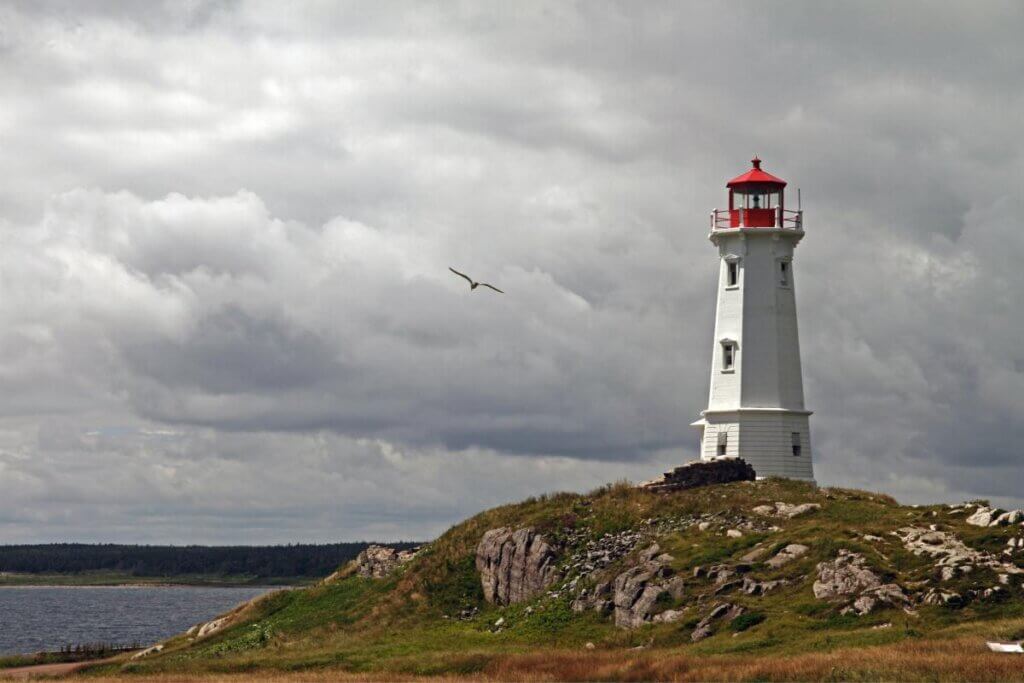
756, 200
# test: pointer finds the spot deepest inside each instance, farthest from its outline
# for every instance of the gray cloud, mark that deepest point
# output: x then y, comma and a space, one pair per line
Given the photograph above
224, 295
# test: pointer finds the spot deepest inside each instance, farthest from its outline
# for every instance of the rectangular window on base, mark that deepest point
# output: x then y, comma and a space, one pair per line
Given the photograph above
732, 278
723, 443
784, 273
796, 443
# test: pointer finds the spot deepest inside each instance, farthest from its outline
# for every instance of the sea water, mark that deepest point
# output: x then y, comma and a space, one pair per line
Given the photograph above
45, 618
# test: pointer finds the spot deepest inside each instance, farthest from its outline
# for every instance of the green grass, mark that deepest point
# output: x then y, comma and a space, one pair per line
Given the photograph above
409, 623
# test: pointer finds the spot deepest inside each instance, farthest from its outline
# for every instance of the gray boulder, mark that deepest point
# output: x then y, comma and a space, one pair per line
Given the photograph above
706, 626
844, 576
984, 516
787, 554
515, 565
378, 561
787, 510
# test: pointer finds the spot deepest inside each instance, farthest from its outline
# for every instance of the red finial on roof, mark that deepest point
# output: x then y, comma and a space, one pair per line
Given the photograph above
756, 176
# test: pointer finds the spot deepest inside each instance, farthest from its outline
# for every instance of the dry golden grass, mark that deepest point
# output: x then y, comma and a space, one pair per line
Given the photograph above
964, 659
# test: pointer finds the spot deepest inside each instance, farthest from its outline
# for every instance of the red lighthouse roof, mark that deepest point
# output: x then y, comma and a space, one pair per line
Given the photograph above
755, 176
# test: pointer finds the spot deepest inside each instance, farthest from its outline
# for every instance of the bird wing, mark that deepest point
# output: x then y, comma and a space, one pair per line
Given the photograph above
484, 284
463, 275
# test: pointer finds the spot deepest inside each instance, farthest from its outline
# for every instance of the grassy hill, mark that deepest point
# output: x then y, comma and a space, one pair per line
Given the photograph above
430, 618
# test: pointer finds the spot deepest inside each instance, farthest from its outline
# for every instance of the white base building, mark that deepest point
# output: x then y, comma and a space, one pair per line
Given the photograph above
756, 403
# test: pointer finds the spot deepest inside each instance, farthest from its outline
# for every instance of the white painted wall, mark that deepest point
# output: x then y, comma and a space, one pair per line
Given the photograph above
760, 403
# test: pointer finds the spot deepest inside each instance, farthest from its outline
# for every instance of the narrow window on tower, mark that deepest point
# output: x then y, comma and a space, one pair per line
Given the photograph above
732, 277
723, 443
728, 356
796, 443
784, 273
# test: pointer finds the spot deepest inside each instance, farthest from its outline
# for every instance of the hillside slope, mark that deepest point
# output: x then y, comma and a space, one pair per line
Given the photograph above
719, 575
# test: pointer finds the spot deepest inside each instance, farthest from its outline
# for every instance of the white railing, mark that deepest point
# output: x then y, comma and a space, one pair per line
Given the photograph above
787, 219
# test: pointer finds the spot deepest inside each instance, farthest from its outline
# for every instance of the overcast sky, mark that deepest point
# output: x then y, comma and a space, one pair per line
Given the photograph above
225, 228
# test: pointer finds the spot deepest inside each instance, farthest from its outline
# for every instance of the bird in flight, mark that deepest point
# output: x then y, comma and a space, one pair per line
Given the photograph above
474, 285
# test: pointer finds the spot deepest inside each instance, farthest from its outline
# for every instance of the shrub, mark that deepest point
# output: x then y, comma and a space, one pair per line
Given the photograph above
745, 621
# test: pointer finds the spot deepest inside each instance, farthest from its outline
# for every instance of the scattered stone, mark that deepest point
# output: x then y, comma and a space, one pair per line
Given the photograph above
753, 587
148, 651
667, 617
734, 533
704, 526
589, 646
211, 627
703, 473
515, 566
786, 510
706, 625
379, 561
951, 554
754, 555
1007, 518
787, 554
939, 597
878, 627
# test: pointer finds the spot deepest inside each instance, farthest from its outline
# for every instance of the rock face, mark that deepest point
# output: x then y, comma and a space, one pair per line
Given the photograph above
634, 594
701, 473
848, 576
378, 561
515, 565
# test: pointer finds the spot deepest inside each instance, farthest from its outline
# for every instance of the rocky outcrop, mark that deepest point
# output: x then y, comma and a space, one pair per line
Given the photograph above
787, 510
703, 473
787, 555
983, 516
379, 561
988, 516
515, 565
634, 595
720, 612
952, 555
844, 576
848, 576
935, 596
211, 627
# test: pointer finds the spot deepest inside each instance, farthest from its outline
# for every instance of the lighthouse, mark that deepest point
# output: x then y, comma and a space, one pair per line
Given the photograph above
756, 402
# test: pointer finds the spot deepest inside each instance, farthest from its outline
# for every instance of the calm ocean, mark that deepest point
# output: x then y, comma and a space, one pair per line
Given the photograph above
46, 618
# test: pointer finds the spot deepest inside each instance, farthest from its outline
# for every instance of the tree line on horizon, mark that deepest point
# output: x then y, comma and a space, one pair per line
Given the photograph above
297, 560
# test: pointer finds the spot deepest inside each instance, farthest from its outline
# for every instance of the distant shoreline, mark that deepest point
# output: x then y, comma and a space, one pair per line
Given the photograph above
108, 580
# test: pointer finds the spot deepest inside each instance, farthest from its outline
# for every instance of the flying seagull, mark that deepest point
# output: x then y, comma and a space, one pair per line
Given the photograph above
474, 285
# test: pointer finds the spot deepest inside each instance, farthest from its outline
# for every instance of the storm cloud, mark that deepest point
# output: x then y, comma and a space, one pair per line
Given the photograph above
225, 228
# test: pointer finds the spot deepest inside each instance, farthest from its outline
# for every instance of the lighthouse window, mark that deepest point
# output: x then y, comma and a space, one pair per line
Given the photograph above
733, 273
796, 443
784, 273
728, 356
723, 442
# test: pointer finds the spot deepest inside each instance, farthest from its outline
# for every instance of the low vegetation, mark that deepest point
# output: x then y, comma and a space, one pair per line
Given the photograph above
108, 563
429, 618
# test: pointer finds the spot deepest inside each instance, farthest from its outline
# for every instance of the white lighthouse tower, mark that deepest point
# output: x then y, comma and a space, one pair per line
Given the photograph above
756, 404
